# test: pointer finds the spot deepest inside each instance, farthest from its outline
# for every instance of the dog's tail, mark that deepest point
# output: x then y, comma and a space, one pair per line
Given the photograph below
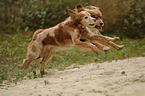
36, 33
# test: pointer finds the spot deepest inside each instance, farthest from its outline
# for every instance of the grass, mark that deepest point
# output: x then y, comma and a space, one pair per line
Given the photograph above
13, 49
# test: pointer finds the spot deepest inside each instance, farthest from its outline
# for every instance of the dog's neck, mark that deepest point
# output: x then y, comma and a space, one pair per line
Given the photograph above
66, 21
71, 23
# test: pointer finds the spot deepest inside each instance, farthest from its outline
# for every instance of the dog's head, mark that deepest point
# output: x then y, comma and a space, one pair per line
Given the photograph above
95, 13
84, 18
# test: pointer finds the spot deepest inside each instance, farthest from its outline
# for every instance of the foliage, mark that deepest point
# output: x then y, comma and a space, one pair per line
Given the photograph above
135, 20
13, 49
120, 16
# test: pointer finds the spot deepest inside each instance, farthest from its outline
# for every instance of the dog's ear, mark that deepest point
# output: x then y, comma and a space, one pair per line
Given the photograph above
72, 13
80, 8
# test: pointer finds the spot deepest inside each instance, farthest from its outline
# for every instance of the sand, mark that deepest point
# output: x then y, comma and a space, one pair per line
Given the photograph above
117, 78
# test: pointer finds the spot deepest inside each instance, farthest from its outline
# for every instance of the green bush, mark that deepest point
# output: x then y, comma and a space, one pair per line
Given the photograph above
134, 21
125, 17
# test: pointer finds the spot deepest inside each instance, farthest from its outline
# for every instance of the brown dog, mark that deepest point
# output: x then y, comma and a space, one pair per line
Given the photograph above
96, 13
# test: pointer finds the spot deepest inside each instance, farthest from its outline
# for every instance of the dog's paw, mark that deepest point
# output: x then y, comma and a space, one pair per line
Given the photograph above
120, 47
117, 38
43, 73
24, 66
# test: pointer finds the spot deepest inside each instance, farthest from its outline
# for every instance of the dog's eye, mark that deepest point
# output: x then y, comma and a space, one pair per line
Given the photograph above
86, 17
100, 17
95, 16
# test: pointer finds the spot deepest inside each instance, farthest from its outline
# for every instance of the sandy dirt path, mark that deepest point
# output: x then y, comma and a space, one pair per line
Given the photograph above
121, 78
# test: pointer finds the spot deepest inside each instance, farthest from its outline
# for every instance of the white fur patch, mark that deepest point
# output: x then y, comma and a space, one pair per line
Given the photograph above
68, 19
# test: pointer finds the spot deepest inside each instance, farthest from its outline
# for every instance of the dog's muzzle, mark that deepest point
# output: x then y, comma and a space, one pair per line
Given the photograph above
101, 24
98, 27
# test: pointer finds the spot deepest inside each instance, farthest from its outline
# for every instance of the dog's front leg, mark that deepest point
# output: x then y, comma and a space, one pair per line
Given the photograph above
77, 42
97, 35
104, 41
111, 39
86, 45
100, 46
87, 33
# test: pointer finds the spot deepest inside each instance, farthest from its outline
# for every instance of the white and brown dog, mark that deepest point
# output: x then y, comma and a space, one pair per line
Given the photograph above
64, 35
67, 34
101, 44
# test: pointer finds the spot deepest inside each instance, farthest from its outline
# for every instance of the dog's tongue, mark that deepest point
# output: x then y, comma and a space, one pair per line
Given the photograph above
99, 27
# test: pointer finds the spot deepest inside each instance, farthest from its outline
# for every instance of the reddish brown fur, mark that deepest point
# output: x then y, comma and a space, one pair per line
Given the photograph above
61, 35
49, 40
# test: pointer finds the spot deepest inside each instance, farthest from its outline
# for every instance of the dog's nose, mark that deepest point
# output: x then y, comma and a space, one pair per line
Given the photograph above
101, 23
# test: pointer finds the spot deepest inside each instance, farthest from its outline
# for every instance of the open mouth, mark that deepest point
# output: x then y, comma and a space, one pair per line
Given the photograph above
98, 27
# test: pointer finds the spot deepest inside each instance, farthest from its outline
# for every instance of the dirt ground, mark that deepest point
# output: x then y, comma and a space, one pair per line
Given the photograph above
121, 78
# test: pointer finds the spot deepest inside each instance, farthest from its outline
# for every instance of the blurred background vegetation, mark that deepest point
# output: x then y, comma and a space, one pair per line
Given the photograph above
125, 17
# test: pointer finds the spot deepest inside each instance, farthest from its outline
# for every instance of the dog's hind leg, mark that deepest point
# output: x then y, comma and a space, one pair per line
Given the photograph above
26, 62
31, 55
46, 56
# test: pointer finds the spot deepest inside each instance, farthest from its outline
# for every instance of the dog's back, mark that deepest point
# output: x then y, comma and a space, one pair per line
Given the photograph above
36, 33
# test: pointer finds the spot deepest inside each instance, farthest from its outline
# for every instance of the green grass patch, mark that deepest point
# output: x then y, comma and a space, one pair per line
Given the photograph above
13, 49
